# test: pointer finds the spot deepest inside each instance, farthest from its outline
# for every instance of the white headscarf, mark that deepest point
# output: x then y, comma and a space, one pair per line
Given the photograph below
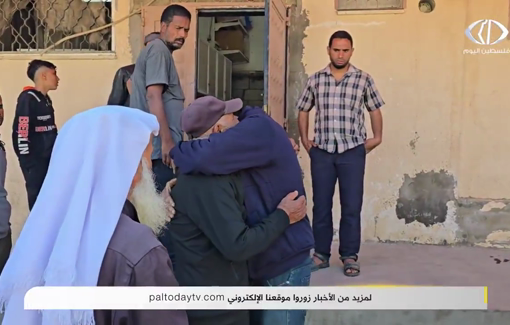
66, 235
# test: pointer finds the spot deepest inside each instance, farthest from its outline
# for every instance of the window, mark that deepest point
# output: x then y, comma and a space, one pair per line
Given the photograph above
348, 5
33, 25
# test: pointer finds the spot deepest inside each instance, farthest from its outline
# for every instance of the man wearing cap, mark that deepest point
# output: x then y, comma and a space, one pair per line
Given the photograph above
211, 239
259, 150
120, 89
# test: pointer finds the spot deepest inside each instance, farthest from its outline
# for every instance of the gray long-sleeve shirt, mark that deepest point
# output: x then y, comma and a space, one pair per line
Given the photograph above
5, 206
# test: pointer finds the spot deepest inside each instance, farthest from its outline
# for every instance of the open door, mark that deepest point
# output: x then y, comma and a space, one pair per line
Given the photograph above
276, 82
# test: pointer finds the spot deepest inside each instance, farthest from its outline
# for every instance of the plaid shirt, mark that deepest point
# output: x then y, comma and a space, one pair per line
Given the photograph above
339, 117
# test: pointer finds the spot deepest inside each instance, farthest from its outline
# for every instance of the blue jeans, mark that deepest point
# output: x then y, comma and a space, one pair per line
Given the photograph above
162, 175
297, 277
349, 169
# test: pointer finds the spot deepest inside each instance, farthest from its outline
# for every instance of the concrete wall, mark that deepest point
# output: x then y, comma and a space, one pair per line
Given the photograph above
443, 157
439, 176
250, 88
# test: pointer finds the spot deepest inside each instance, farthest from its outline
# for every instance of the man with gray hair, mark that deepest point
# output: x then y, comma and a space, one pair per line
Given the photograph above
5, 207
120, 89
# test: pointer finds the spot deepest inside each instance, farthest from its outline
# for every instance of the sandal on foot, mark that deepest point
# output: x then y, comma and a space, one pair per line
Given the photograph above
322, 265
353, 267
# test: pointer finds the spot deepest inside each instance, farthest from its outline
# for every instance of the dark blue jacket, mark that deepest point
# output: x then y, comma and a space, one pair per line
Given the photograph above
260, 149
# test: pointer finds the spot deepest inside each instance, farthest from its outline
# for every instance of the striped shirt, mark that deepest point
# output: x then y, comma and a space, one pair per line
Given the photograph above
339, 116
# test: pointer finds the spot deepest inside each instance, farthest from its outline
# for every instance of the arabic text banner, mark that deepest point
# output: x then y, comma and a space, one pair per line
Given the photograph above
286, 298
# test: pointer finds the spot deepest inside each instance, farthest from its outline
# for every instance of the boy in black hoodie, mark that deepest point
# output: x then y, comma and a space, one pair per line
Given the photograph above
34, 130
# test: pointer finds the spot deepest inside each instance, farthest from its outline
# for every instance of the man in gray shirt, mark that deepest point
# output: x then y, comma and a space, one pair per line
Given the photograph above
156, 89
5, 207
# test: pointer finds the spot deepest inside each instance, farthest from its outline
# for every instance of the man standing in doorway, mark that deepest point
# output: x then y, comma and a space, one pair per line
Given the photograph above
156, 89
339, 93
120, 92
34, 130
5, 206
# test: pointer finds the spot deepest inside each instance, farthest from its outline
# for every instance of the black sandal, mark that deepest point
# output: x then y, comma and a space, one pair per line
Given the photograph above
322, 265
353, 267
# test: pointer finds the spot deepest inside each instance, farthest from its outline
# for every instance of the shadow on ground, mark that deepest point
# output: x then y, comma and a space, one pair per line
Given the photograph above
408, 264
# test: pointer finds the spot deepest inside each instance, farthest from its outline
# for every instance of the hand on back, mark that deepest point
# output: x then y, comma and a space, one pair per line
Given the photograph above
294, 206
168, 198
129, 85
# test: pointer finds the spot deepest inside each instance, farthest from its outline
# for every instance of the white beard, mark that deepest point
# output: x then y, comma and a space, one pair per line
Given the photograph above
149, 204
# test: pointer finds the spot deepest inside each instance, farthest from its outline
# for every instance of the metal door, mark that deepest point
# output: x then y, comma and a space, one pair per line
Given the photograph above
275, 73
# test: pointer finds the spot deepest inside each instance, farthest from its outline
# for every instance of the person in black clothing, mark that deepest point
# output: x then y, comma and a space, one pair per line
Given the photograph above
34, 130
120, 90
209, 233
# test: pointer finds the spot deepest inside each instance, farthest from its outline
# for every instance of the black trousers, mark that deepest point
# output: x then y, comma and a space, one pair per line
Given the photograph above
348, 168
34, 179
5, 250
163, 174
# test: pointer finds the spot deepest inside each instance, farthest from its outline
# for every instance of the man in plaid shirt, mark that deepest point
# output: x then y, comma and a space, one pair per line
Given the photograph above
339, 93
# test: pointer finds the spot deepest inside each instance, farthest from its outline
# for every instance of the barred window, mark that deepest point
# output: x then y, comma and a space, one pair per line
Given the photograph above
33, 25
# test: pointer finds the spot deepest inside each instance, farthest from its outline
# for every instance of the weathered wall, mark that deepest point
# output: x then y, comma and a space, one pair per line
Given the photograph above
86, 81
439, 176
250, 88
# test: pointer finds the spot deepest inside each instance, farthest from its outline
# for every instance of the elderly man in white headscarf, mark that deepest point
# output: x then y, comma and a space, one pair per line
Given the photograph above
94, 223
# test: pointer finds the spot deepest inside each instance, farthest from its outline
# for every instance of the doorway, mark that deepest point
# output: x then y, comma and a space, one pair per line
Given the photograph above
230, 55
229, 30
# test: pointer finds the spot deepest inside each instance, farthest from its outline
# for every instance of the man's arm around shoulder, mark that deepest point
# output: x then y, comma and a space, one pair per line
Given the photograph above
246, 145
155, 270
